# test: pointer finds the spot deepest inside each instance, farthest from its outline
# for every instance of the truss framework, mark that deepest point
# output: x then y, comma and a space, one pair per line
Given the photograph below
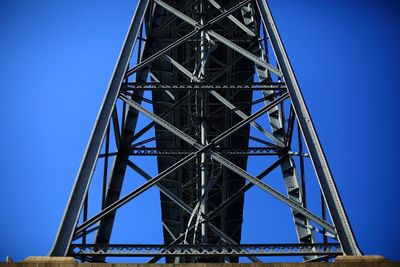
203, 98
116, 250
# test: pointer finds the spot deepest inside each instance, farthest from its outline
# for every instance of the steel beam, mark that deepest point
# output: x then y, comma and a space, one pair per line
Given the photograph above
295, 206
133, 194
118, 169
244, 116
183, 205
202, 98
232, 18
150, 125
211, 250
243, 190
219, 37
191, 140
250, 151
289, 132
327, 183
184, 38
154, 86
117, 133
276, 118
225, 102
79, 191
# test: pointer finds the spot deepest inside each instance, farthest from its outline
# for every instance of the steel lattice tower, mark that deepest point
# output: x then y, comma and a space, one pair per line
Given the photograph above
208, 64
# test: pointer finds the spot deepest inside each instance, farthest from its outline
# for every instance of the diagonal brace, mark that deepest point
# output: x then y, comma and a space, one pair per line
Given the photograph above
184, 38
119, 203
229, 164
181, 203
220, 38
75, 203
225, 102
324, 175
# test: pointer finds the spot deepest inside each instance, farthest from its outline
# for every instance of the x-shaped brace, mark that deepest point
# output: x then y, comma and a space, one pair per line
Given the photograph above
220, 38
228, 164
207, 149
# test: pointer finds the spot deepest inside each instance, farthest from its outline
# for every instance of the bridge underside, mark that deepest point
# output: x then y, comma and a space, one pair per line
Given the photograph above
185, 182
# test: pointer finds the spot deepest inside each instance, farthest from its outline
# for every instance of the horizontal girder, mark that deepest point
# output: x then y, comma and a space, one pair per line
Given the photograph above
203, 86
332, 249
250, 151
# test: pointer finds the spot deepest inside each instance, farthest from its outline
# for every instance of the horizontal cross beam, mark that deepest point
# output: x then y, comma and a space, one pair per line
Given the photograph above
295, 206
326, 249
250, 151
152, 86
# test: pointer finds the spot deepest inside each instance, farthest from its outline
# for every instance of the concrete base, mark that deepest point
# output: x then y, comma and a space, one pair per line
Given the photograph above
369, 258
341, 261
45, 262
35, 259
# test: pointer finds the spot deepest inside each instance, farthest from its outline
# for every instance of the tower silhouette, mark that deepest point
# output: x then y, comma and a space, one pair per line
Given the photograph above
222, 93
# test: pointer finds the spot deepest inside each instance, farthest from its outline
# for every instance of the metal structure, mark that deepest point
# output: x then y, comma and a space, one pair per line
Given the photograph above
208, 67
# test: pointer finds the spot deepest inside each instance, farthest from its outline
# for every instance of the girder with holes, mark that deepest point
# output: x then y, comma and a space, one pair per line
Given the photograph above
140, 250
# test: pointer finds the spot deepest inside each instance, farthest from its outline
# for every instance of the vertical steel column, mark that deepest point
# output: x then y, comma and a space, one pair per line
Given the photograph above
85, 217
105, 169
118, 167
302, 174
339, 217
203, 133
76, 200
323, 213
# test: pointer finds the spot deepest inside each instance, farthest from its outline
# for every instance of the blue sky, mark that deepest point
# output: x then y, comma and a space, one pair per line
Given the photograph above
56, 58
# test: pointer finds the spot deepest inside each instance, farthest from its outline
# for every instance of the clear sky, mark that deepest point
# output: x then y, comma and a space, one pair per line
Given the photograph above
56, 58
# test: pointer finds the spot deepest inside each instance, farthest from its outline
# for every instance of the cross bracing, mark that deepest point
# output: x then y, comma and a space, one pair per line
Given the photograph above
223, 91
